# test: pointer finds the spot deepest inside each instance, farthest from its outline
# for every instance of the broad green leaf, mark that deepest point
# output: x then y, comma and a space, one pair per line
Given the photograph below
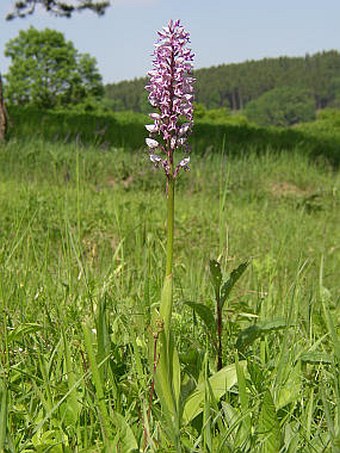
247, 336
220, 383
206, 314
228, 285
216, 274
124, 438
268, 426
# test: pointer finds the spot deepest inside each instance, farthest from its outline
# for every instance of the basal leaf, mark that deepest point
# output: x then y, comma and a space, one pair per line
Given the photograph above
220, 383
163, 380
168, 386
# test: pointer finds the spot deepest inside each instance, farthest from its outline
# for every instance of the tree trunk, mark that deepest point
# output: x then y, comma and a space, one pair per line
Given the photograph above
3, 115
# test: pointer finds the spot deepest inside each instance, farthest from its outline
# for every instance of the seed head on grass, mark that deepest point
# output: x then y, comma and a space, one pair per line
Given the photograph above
171, 93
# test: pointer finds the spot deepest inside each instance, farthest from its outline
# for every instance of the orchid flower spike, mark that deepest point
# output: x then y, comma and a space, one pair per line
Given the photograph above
171, 92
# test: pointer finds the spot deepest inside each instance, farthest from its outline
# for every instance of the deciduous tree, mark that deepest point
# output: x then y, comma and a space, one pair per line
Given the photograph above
47, 71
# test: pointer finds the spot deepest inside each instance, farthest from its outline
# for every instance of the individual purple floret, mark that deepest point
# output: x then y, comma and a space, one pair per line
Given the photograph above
171, 93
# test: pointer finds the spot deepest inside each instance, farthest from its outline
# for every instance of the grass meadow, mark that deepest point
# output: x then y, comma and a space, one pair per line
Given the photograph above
82, 256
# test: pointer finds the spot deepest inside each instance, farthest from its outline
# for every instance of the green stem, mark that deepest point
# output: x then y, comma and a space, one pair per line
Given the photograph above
167, 292
170, 226
219, 335
167, 375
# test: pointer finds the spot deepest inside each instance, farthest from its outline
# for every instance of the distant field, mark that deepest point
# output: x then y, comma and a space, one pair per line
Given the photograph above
82, 241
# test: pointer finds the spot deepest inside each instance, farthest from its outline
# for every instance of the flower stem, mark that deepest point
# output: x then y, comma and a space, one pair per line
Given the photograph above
170, 226
167, 292
219, 336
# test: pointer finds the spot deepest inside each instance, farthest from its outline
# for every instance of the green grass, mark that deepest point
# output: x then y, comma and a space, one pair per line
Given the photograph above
82, 257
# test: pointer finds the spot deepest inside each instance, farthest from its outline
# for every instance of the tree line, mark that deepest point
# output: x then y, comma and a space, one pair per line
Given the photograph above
233, 86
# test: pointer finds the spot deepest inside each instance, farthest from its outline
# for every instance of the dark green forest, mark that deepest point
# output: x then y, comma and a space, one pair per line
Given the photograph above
233, 86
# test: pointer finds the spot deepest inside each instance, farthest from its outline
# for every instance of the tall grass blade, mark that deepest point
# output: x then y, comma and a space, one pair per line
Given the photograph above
97, 381
3, 415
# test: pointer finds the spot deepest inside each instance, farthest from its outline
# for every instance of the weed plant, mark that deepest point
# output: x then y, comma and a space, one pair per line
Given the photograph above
82, 254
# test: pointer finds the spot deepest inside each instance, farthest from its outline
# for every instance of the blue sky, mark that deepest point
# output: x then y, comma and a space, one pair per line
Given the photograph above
222, 31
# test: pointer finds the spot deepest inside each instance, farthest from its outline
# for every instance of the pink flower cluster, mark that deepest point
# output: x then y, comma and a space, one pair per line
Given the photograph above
171, 93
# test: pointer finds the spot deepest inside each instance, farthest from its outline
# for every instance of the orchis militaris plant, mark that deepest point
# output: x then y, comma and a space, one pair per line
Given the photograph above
171, 94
